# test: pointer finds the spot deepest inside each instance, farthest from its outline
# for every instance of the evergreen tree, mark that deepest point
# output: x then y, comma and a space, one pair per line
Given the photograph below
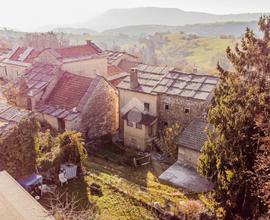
229, 154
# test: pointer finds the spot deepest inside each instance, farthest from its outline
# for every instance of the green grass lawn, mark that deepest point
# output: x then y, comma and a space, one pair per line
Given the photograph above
122, 188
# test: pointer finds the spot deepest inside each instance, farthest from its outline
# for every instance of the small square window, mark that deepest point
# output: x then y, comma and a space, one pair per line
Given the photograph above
129, 123
138, 126
167, 107
146, 107
187, 110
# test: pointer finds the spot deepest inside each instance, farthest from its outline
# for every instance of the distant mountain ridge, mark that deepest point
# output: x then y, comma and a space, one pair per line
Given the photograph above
116, 18
206, 30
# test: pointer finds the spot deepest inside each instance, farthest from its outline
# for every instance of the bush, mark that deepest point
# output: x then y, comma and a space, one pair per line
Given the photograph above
52, 151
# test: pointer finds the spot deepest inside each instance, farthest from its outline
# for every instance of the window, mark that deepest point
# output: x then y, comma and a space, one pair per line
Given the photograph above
166, 107
165, 124
187, 110
129, 123
138, 126
146, 107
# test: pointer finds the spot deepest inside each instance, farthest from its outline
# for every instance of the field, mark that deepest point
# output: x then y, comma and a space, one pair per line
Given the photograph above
186, 52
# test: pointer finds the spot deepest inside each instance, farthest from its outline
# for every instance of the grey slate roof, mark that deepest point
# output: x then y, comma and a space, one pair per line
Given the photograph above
194, 135
114, 55
39, 76
168, 80
58, 112
10, 116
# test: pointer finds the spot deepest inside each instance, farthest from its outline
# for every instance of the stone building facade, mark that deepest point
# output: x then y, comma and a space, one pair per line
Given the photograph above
165, 93
16, 62
172, 109
100, 112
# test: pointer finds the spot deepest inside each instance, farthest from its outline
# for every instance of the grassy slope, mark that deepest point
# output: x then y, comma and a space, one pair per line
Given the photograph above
186, 53
206, 55
137, 184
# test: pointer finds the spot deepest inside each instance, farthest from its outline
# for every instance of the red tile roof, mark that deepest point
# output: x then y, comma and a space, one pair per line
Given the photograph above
78, 51
113, 70
69, 91
20, 51
30, 58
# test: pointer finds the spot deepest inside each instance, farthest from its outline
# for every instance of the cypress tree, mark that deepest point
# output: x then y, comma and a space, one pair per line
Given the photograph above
243, 93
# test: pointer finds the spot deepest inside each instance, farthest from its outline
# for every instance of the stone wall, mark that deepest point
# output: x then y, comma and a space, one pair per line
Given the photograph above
175, 109
188, 156
100, 113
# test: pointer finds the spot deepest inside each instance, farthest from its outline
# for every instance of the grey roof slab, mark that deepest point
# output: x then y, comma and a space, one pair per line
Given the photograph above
186, 177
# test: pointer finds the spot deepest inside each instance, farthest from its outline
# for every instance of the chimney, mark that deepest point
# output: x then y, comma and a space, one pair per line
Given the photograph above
134, 83
88, 42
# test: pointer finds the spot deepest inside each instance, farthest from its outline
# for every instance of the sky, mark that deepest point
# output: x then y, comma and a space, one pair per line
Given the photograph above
30, 15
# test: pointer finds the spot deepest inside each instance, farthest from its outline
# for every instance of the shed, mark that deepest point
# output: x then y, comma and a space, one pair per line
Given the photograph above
191, 141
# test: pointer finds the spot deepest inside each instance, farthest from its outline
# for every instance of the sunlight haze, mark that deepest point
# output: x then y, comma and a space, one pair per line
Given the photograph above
31, 15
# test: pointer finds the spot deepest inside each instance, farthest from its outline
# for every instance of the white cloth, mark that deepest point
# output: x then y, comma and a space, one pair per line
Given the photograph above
62, 177
44, 188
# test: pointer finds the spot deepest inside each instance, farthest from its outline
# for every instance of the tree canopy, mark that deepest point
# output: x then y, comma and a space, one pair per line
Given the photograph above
242, 94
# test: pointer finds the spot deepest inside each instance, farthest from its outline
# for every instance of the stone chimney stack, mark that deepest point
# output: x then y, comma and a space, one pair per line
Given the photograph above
134, 82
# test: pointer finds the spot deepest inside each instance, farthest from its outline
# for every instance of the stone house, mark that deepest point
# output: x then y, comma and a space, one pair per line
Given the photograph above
81, 103
69, 101
14, 63
119, 65
183, 173
164, 96
191, 141
85, 60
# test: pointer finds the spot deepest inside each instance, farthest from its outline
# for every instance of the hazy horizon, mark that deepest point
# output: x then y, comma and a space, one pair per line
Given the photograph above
29, 15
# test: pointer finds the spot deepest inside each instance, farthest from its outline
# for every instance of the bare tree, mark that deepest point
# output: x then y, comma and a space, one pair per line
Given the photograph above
64, 206
43, 40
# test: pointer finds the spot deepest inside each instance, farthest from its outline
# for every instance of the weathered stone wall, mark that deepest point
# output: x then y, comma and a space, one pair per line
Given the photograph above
100, 113
188, 156
175, 112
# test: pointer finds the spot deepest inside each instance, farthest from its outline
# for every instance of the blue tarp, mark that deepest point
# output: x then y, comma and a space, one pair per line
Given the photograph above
31, 181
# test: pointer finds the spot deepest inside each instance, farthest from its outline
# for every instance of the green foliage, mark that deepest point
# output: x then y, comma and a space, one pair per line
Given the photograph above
168, 140
230, 151
17, 151
260, 177
62, 148
72, 147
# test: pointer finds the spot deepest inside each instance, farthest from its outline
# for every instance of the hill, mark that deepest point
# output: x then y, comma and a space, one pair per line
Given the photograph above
70, 30
116, 18
207, 30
